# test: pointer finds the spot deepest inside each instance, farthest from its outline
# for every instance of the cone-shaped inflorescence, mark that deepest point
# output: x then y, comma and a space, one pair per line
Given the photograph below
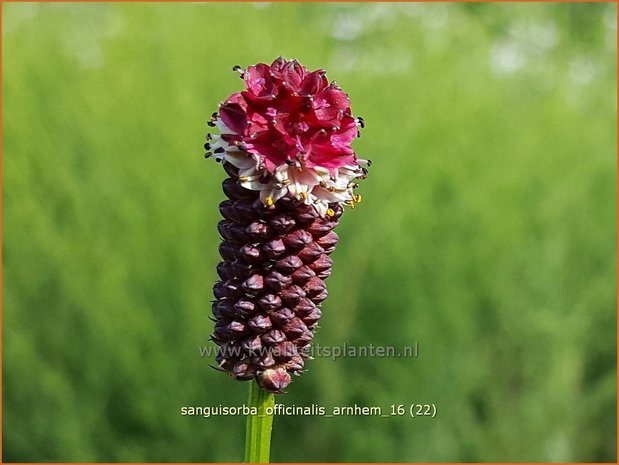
271, 284
285, 145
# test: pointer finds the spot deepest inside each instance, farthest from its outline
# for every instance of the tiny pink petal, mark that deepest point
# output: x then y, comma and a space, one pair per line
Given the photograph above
287, 112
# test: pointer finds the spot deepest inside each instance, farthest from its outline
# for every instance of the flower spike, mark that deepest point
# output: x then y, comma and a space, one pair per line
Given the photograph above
285, 143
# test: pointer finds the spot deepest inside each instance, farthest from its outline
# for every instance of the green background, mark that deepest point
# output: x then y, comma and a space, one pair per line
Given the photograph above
487, 231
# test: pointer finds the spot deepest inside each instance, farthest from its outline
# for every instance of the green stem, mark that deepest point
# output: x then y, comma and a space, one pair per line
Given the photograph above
258, 430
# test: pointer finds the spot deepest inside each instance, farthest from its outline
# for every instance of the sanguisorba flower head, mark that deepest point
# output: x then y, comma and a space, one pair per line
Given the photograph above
285, 142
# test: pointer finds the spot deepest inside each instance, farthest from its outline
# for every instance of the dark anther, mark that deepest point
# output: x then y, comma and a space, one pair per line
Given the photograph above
361, 122
289, 162
214, 115
208, 155
219, 150
207, 146
358, 133
209, 137
237, 68
211, 124
369, 162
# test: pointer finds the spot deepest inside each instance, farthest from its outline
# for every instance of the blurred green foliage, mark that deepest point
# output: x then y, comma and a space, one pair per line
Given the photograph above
487, 232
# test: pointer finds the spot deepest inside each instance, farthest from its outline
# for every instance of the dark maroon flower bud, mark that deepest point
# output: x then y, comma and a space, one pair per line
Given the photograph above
236, 233
289, 264
322, 263
304, 339
250, 253
258, 231
321, 296
252, 343
324, 274
298, 239
231, 288
225, 270
329, 250
220, 333
328, 241
310, 253
228, 251
292, 294
241, 269
313, 287
301, 275
286, 203
223, 309
285, 350
226, 208
233, 330
245, 213
260, 323
237, 328
253, 284
230, 349
304, 306
319, 228
281, 316
235, 191
269, 302
244, 307
274, 249
265, 361
295, 364
305, 214
274, 379
281, 224
273, 337
294, 328
223, 361
219, 290
244, 370
277, 281
231, 170
224, 229
312, 316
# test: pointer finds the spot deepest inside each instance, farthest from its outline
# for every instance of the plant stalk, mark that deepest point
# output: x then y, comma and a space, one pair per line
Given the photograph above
258, 429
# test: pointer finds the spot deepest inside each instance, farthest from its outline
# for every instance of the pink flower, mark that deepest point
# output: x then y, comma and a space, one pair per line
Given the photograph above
289, 133
289, 114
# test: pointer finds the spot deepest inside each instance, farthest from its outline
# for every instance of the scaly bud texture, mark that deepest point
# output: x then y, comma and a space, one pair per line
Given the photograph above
285, 144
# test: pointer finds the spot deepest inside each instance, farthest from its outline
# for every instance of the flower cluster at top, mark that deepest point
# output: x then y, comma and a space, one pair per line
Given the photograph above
290, 132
